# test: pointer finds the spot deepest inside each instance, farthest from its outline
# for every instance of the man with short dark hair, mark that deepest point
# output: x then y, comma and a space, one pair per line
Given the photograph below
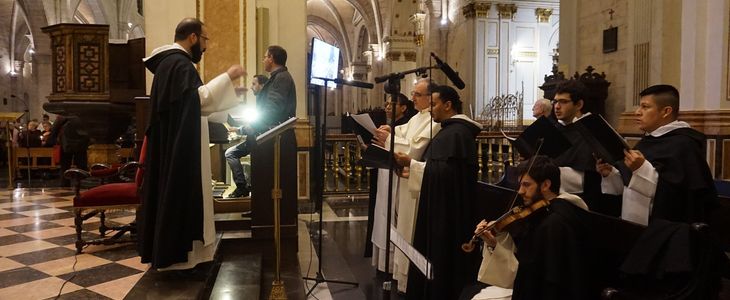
670, 178
175, 219
577, 164
233, 155
446, 209
277, 100
551, 245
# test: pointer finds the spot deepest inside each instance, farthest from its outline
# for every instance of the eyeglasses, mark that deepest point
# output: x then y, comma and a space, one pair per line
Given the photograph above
205, 37
561, 101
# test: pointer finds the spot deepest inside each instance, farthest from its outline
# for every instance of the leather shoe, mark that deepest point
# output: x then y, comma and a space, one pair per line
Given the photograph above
239, 193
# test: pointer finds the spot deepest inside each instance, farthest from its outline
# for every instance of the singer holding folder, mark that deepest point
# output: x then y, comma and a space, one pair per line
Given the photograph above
669, 176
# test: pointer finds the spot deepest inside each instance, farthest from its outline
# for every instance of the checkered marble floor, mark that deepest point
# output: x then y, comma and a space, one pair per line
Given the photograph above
37, 250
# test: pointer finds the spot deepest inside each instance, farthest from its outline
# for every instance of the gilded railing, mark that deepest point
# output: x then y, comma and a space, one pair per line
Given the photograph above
345, 175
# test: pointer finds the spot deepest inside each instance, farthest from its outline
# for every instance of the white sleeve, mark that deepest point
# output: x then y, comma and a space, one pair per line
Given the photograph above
612, 184
415, 176
644, 180
571, 180
499, 267
217, 95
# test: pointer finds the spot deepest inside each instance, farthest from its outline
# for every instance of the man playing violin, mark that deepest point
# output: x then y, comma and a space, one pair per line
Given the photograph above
550, 243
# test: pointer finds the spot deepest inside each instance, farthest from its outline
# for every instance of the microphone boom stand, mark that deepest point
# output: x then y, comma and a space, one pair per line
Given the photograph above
322, 133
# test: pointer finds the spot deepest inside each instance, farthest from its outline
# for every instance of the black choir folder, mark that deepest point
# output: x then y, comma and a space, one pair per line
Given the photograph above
376, 157
606, 142
553, 141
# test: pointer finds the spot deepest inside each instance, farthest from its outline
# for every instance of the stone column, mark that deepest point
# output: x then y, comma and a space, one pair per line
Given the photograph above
477, 54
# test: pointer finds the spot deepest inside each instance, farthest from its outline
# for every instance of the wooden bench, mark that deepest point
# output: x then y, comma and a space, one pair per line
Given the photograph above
34, 158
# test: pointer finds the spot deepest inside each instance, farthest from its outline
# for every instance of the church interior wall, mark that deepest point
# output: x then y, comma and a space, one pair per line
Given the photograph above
593, 19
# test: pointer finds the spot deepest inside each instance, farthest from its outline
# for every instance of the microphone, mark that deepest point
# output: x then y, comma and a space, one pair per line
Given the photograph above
382, 78
450, 73
359, 84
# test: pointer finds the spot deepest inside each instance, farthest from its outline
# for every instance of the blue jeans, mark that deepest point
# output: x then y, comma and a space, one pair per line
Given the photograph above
233, 157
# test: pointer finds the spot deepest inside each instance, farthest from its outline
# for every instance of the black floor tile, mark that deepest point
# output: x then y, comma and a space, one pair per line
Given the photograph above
14, 239
34, 227
57, 216
37, 257
11, 216
71, 238
100, 274
94, 225
49, 200
118, 253
20, 276
82, 294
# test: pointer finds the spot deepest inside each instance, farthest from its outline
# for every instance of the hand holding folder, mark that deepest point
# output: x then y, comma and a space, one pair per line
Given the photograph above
606, 142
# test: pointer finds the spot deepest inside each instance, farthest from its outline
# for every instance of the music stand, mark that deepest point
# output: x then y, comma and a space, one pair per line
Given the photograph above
277, 287
8, 117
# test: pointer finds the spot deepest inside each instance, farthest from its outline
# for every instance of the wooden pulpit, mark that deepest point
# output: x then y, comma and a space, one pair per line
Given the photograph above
262, 183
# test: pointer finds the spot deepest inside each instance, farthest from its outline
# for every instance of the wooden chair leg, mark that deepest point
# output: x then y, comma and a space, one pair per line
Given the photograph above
78, 221
102, 227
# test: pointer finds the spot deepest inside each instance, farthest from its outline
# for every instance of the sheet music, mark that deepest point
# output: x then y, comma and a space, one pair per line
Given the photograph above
413, 255
365, 121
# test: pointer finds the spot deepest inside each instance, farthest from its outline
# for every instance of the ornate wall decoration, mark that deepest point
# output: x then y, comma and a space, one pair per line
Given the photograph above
543, 14
59, 77
506, 11
393, 55
89, 68
419, 20
476, 9
409, 56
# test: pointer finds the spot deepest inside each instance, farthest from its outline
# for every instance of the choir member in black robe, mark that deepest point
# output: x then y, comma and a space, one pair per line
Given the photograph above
404, 110
174, 220
556, 258
446, 211
578, 165
669, 172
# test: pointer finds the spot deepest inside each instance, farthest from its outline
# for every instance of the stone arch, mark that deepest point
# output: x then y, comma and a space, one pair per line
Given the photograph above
363, 42
319, 22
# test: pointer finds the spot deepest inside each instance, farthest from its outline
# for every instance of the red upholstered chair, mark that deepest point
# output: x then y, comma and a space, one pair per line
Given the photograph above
111, 196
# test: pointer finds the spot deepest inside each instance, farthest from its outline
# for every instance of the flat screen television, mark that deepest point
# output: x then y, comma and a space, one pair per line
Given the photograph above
325, 63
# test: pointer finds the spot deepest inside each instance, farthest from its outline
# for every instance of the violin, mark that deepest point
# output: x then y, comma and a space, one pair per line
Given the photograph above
513, 214
500, 224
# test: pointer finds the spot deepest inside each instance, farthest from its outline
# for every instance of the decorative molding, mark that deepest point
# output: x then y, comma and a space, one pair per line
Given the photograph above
543, 14
709, 122
507, 11
409, 56
476, 9
532, 54
393, 55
